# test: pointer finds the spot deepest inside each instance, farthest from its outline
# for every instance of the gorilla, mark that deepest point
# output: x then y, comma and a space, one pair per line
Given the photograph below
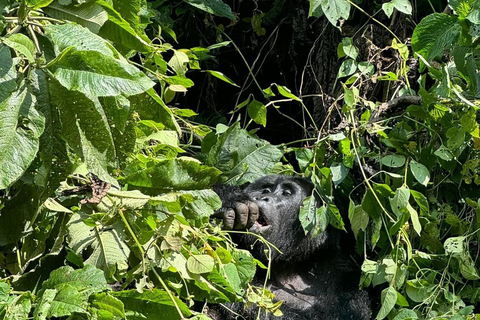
314, 278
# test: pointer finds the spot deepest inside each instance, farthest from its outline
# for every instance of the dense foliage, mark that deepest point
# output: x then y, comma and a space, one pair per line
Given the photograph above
105, 190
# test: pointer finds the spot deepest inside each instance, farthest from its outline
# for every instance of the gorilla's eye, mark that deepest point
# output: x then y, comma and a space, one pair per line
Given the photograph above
264, 191
286, 193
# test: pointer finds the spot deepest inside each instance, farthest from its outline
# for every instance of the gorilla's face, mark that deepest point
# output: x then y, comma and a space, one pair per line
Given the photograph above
279, 199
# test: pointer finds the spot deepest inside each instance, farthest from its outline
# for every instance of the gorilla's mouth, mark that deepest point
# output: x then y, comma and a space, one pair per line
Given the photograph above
261, 225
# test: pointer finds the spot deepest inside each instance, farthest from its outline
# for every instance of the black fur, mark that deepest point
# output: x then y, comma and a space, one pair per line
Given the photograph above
313, 276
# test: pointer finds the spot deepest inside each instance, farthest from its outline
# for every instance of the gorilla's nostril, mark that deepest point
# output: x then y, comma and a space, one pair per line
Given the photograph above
266, 199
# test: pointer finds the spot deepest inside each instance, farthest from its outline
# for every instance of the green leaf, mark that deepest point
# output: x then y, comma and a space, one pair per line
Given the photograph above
258, 112
444, 153
415, 221
95, 74
315, 9
222, 77
399, 202
421, 200
85, 129
200, 263
389, 298
242, 155
347, 68
454, 246
358, 218
420, 172
216, 7
335, 9
88, 280
119, 30
339, 172
349, 48
434, 34
406, 314
21, 43
89, 14
107, 248
403, 6
20, 128
36, 4
104, 301
284, 91
173, 174
72, 35
393, 161
149, 304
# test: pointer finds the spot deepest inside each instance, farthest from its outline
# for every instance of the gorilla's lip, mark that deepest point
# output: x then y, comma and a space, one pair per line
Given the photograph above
261, 224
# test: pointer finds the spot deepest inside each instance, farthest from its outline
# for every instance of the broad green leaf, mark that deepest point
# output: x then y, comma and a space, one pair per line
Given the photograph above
315, 9
36, 4
415, 221
399, 202
307, 214
284, 91
85, 129
339, 172
241, 155
403, 6
393, 161
389, 298
119, 30
348, 48
434, 34
205, 204
216, 7
89, 14
178, 62
96, 75
358, 218
21, 43
422, 201
258, 112
245, 264
406, 314
347, 68
67, 301
176, 174
222, 77
463, 7
88, 279
454, 246
420, 172
150, 304
444, 153
52, 205
104, 301
107, 247
20, 128
200, 263
335, 9
69, 35
18, 307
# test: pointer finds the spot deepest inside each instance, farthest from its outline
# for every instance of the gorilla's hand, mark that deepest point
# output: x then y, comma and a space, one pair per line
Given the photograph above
238, 211
238, 215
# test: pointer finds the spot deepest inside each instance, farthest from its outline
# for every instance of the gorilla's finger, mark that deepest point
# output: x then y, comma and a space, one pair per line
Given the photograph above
253, 213
241, 215
228, 219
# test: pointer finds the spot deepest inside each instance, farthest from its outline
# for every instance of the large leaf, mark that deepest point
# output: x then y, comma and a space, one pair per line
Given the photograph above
151, 304
88, 280
241, 155
20, 128
85, 128
89, 14
216, 7
68, 35
97, 75
173, 174
335, 9
434, 34
108, 244
119, 30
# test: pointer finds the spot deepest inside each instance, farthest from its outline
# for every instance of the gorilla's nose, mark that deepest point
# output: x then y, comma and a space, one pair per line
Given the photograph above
266, 199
